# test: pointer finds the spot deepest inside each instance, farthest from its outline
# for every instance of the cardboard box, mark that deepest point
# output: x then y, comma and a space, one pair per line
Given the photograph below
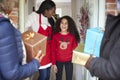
80, 58
93, 41
34, 42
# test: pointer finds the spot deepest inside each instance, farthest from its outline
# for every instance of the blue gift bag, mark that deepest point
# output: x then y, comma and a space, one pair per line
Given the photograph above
93, 41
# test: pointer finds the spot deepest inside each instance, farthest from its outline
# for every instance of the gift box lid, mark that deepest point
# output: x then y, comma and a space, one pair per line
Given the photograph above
32, 38
93, 41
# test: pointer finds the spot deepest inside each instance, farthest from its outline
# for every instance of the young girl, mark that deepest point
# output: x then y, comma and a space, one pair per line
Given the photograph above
65, 40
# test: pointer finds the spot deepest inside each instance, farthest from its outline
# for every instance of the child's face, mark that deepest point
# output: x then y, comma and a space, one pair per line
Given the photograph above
64, 25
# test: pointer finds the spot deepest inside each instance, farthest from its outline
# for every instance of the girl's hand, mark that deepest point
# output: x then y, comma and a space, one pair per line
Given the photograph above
55, 68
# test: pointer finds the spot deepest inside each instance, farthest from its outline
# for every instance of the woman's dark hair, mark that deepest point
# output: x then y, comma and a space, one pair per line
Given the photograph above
72, 28
46, 5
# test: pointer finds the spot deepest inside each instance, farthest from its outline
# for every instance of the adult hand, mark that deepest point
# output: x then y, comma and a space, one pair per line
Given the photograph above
39, 56
88, 61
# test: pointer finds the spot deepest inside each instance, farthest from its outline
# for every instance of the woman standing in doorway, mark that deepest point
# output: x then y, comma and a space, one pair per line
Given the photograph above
38, 22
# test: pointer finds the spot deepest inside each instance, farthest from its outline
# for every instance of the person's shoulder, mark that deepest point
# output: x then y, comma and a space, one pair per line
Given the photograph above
4, 24
6, 28
56, 34
71, 35
4, 21
33, 14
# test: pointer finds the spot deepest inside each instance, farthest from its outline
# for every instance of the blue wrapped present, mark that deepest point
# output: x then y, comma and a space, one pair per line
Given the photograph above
93, 41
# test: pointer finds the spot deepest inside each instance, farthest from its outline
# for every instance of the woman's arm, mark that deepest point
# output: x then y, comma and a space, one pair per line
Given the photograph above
107, 69
10, 65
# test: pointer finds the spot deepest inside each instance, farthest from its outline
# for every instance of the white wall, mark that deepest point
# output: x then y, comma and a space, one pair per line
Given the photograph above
21, 15
93, 13
65, 7
76, 5
102, 15
30, 6
97, 17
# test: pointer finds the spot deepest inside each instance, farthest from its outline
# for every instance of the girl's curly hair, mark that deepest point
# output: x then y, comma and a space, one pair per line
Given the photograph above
71, 27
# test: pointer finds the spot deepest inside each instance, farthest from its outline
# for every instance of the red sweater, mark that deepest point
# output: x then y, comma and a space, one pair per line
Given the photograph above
47, 32
62, 47
47, 58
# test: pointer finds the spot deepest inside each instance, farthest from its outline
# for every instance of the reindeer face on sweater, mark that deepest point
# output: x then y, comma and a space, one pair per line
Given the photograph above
64, 43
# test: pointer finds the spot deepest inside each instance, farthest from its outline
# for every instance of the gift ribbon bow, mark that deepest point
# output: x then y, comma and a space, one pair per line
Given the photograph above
29, 35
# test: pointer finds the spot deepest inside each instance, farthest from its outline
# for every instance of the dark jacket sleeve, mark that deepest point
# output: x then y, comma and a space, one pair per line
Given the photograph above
107, 67
10, 65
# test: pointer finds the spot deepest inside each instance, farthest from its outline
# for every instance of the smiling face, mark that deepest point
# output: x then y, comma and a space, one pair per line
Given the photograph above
64, 25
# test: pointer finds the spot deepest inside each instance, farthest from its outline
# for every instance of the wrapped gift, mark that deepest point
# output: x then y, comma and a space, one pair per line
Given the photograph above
34, 42
93, 41
80, 58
